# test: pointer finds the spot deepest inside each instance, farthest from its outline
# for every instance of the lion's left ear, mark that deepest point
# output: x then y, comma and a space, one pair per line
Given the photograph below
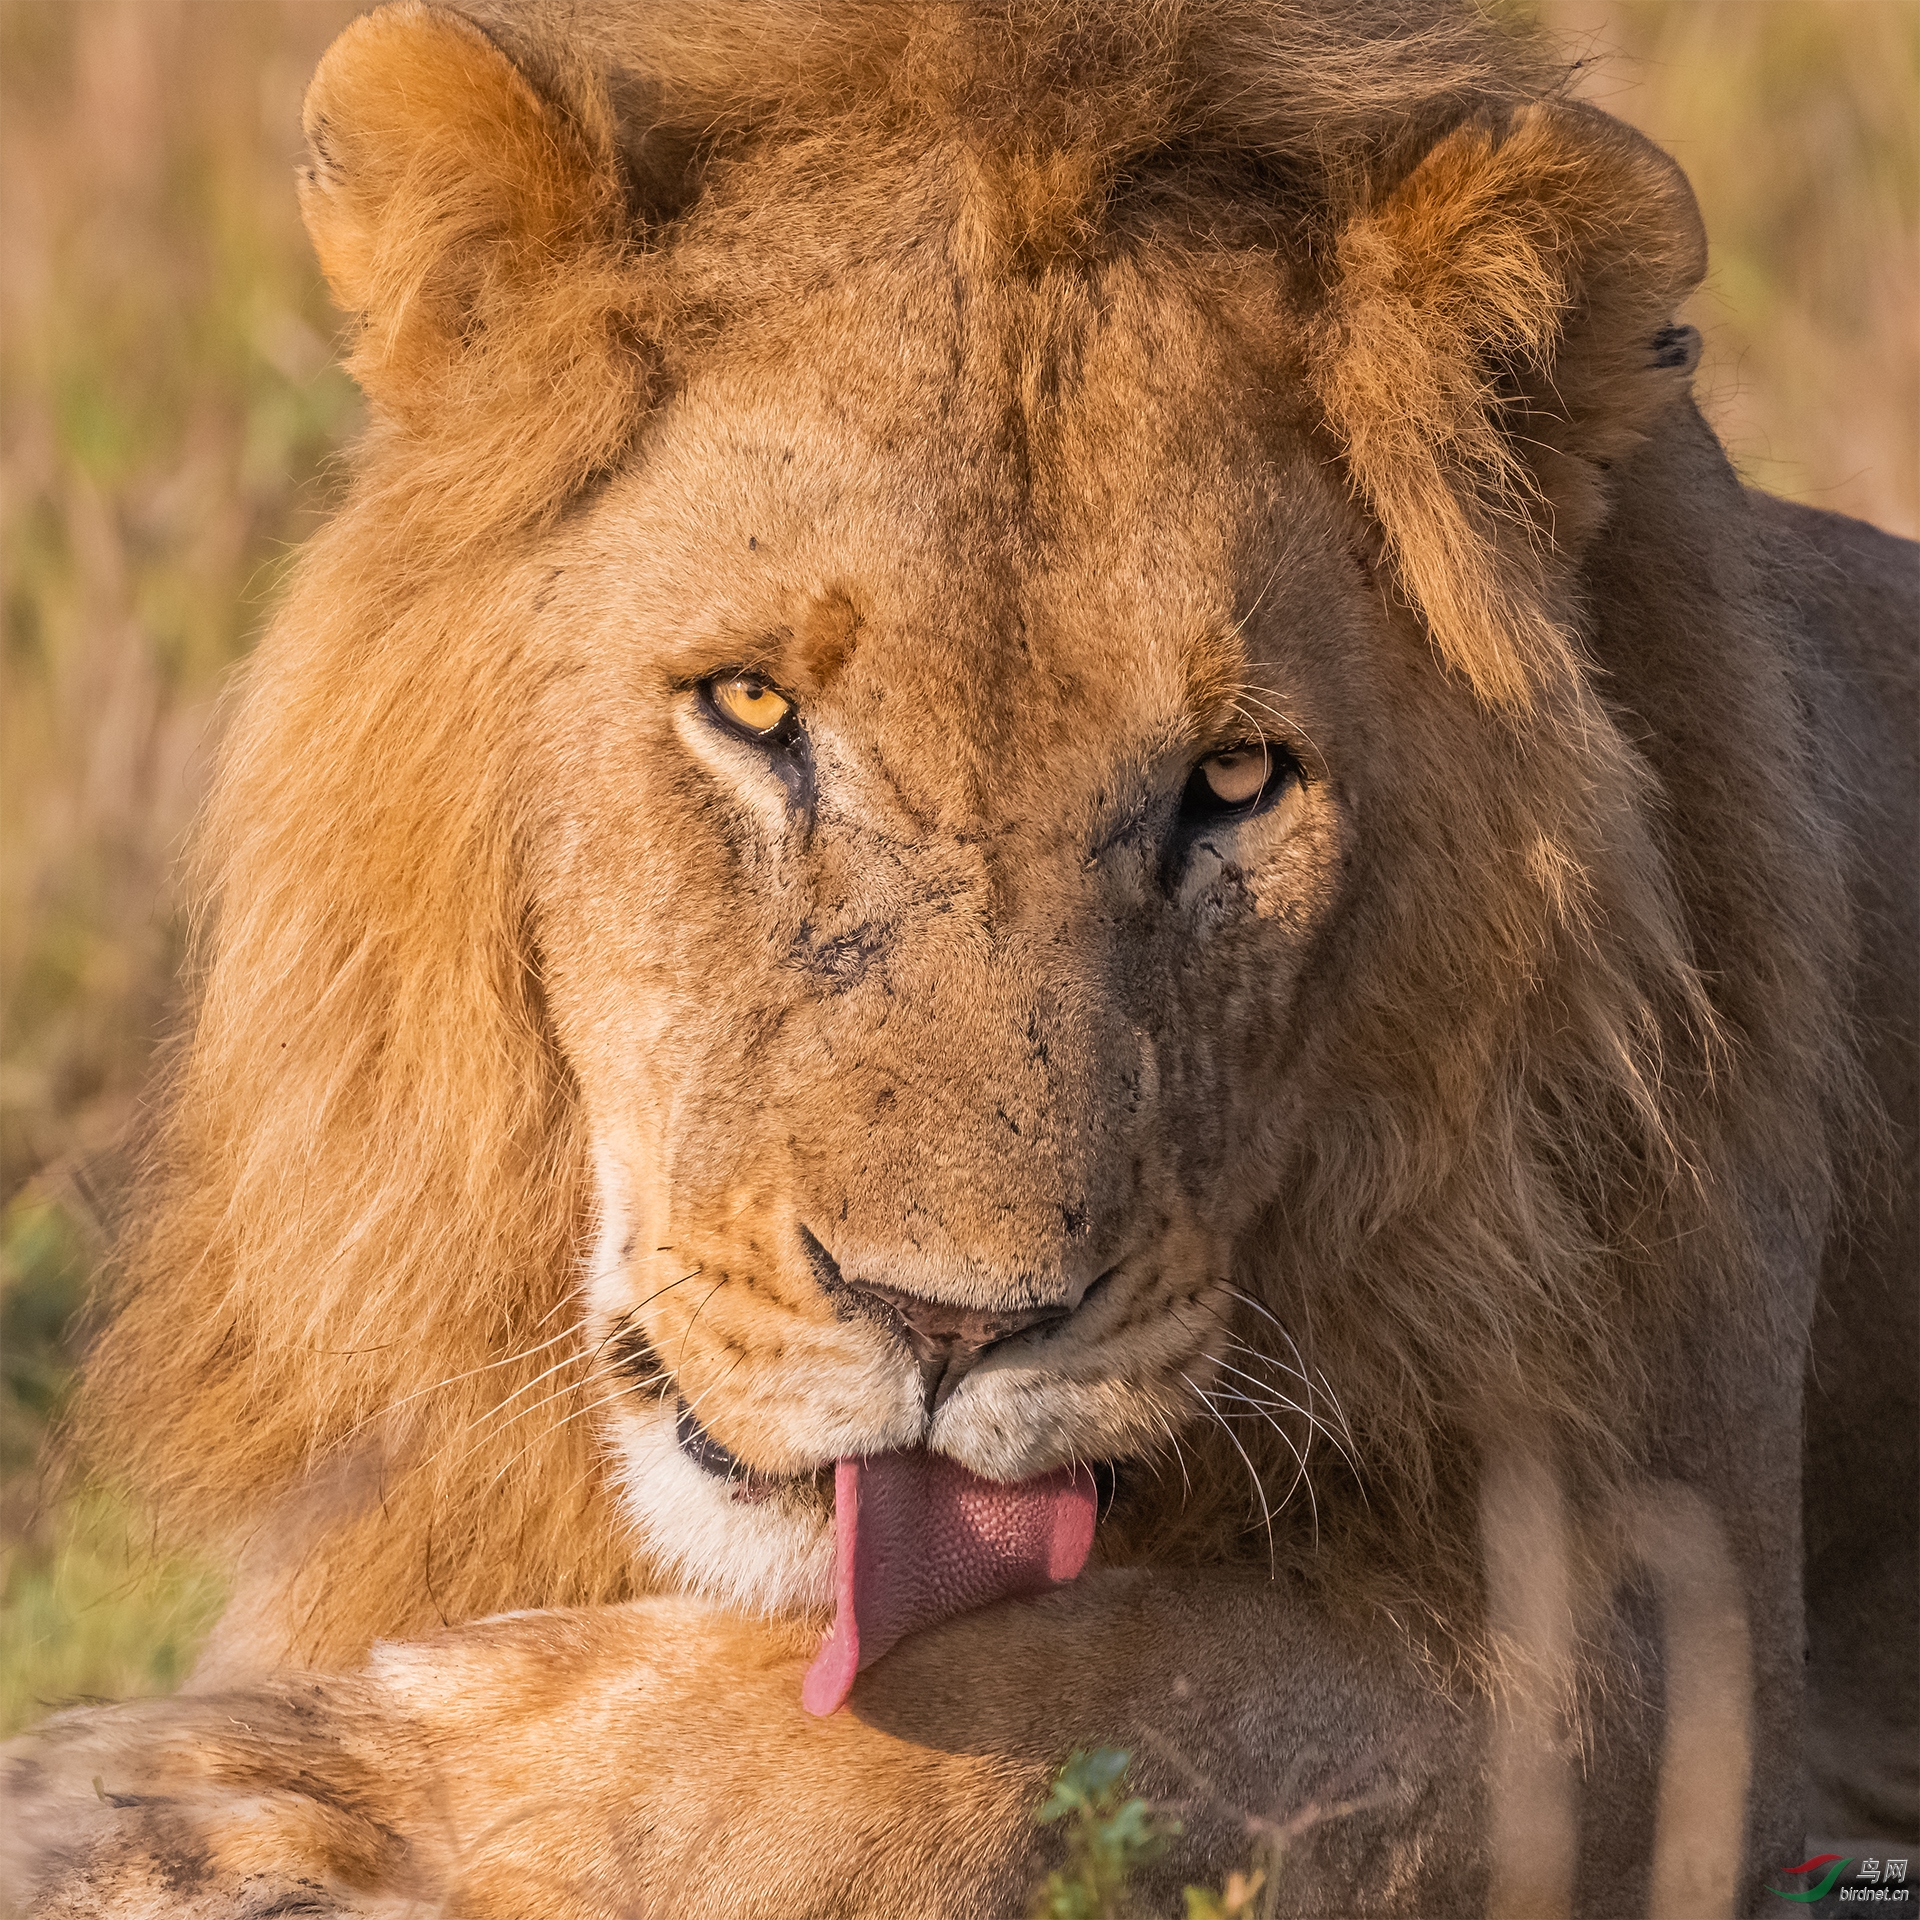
1500, 329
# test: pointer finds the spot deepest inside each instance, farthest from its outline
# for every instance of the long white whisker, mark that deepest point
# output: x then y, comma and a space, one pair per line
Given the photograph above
1270, 1395
1186, 1485
566, 1360
1280, 1398
567, 1299
1297, 1370
1301, 1477
453, 1379
1263, 1408
546, 1400
1258, 1487
1266, 1313
559, 1426
1344, 1440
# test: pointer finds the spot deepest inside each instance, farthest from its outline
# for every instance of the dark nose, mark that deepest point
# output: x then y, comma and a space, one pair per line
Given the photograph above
946, 1341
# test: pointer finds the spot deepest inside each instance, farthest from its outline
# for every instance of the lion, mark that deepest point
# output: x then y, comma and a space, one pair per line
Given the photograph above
1046, 925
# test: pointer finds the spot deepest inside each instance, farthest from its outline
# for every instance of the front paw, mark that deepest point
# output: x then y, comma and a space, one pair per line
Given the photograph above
236, 1805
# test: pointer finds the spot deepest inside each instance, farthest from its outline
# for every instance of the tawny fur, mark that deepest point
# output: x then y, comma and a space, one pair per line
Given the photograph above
1568, 1081
371, 1197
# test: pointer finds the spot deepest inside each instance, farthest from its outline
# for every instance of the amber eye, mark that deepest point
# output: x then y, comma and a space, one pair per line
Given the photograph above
749, 703
1235, 778
1238, 781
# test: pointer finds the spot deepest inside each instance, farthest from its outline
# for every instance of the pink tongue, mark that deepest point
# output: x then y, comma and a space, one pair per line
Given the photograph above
918, 1538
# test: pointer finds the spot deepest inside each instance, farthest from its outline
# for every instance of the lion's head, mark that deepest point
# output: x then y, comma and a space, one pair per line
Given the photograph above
939, 788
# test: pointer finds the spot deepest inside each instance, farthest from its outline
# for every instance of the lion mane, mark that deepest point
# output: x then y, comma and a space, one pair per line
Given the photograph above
1582, 1043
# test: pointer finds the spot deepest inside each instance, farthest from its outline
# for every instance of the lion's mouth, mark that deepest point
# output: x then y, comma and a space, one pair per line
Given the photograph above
918, 1539
748, 1483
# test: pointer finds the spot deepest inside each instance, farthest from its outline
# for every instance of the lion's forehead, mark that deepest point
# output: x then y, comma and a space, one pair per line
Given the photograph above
1087, 515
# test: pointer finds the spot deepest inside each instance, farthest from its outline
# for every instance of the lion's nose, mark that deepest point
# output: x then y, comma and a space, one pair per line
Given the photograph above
946, 1341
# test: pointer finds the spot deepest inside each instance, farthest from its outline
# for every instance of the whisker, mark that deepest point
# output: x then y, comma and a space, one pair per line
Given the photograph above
1186, 1485
1281, 1398
546, 1400
713, 1387
525, 1353
453, 1379
1298, 1369
559, 1426
656, 1294
1148, 1460
1267, 1314
1351, 1451
508, 1400
1301, 1477
1270, 1395
1263, 1407
625, 1318
1258, 1487
567, 1299
1300, 1372
686, 1332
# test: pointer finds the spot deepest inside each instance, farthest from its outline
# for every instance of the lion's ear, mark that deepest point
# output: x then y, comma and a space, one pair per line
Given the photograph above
1500, 329
442, 192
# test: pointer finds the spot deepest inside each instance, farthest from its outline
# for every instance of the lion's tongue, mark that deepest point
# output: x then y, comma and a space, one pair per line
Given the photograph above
918, 1539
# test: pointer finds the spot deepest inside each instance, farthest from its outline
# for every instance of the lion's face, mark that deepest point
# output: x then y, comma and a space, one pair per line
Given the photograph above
970, 704
924, 879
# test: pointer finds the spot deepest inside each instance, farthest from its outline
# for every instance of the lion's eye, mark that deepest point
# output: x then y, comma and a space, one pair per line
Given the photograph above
1236, 777
749, 703
1238, 781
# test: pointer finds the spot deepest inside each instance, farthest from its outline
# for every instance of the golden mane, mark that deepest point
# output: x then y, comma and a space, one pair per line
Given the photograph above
345, 1305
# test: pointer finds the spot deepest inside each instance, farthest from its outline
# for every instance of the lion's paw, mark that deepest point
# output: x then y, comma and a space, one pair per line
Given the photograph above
199, 1806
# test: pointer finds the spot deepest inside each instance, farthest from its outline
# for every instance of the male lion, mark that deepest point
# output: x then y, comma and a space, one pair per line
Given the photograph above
1044, 802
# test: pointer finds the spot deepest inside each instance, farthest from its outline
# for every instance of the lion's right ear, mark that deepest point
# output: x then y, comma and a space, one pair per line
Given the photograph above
447, 201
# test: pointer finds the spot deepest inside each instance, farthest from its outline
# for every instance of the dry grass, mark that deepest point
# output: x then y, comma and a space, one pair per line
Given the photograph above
167, 408
167, 404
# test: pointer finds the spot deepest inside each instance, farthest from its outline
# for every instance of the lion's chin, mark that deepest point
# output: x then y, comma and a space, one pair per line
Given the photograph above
762, 1545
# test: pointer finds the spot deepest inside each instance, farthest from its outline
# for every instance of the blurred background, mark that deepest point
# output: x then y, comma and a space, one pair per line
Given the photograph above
170, 425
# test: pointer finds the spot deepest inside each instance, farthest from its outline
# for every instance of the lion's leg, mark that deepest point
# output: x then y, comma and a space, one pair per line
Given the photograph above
655, 1758
669, 1742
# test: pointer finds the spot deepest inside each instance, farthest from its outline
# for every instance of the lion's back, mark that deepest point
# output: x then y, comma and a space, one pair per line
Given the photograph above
1857, 591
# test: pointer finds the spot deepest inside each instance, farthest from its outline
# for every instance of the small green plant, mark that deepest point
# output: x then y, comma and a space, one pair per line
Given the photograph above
1108, 1838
